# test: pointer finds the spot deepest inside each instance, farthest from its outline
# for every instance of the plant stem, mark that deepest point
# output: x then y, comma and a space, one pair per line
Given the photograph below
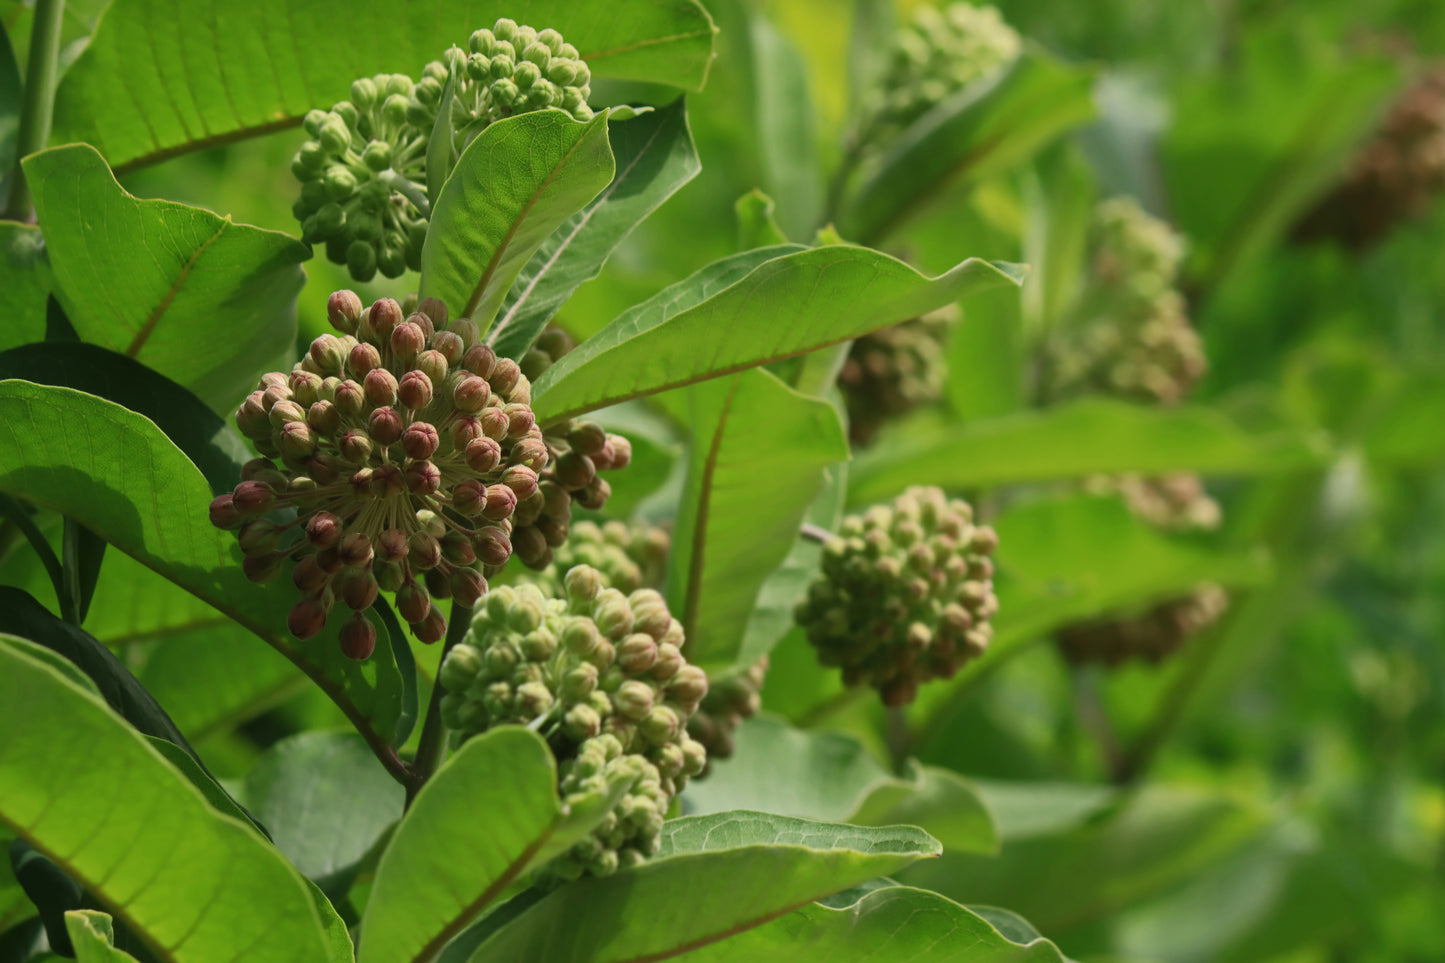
36, 113
1094, 718
432, 747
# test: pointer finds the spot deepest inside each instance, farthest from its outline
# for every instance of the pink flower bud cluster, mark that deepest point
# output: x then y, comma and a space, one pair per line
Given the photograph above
394, 457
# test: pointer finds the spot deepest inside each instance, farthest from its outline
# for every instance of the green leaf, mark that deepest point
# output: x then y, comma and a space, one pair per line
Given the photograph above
151, 85
756, 225
1060, 881
941, 802
210, 442
51, 658
786, 140
1027, 809
214, 792
975, 134
211, 679
151, 503
93, 796
469, 833
757, 460
163, 282
518, 182
892, 923
765, 865
12, 90
325, 801
1065, 442
791, 772
92, 934
726, 317
24, 284
654, 156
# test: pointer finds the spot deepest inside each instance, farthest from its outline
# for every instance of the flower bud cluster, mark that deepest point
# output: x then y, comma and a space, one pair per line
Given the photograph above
628, 557
393, 459
1151, 635
549, 347
892, 371
1171, 503
577, 452
363, 168
730, 699
905, 594
1134, 339
1396, 175
937, 54
601, 676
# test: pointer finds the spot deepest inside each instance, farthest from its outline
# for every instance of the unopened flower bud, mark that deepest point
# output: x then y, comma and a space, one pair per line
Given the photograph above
433, 364
467, 585
420, 439
407, 340
358, 638
363, 359
343, 310
688, 686
384, 316
449, 347
423, 478
431, 629
252, 498
359, 590
505, 376
355, 446
472, 394
493, 546
480, 360
413, 602
224, 513
385, 425
350, 398
501, 502
424, 550
307, 617
323, 418
327, 355
460, 668
355, 550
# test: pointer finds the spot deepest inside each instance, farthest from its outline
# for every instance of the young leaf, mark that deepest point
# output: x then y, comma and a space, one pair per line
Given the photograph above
654, 157
151, 85
151, 503
1062, 442
757, 462
24, 284
92, 795
756, 224
324, 800
163, 282
766, 865
92, 935
747, 310
974, 134
469, 833
518, 182
786, 139
894, 923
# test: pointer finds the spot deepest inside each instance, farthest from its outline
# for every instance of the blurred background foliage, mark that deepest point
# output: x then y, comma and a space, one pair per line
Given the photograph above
1275, 791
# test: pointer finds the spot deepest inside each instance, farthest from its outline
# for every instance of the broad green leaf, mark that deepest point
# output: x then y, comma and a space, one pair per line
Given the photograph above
468, 834
215, 794
726, 317
325, 801
791, 772
51, 658
151, 84
203, 301
92, 934
211, 443
892, 923
757, 461
1161, 838
1026, 809
212, 679
1065, 443
21, 615
976, 133
513, 186
654, 157
1059, 197
92, 795
24, 284
766, 865
151, 503
941, 802
786, 140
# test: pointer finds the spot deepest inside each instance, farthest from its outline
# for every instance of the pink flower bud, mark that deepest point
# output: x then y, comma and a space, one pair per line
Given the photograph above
480, 360
359, 590
495, 423
363, 359
468, 586
407, 340
384, 316
355, 550
449, 345
434, 309
420, 439
434, 364
415, 390
428, 328
323, 418
520, 479
350, 398
505, 376
327, 355
296, 440
358, 638
251, 417
385, 425
343, 310
284, 412
424, 550
307, 618
224, 513
423, 478
501, 502
519, 419
273, 394
308, 575
431, 629
380, 387
305, 387
483, 455
472, 394
252, 498
469, 497
391, 545
588, 437
413, 602
387, 480
323, 529
493, 546
531, 452
464, 431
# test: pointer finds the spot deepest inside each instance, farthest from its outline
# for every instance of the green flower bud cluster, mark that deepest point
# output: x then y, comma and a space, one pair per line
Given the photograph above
602, 677
730, 699
1394, 178
1171, 503
892, 371
1134, 339
1151, 635
905, 594
402, 448
550, 346
628, 557
363, 168
939, 53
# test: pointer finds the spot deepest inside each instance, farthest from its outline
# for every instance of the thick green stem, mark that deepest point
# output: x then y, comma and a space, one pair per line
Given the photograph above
432, 746
35, 114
